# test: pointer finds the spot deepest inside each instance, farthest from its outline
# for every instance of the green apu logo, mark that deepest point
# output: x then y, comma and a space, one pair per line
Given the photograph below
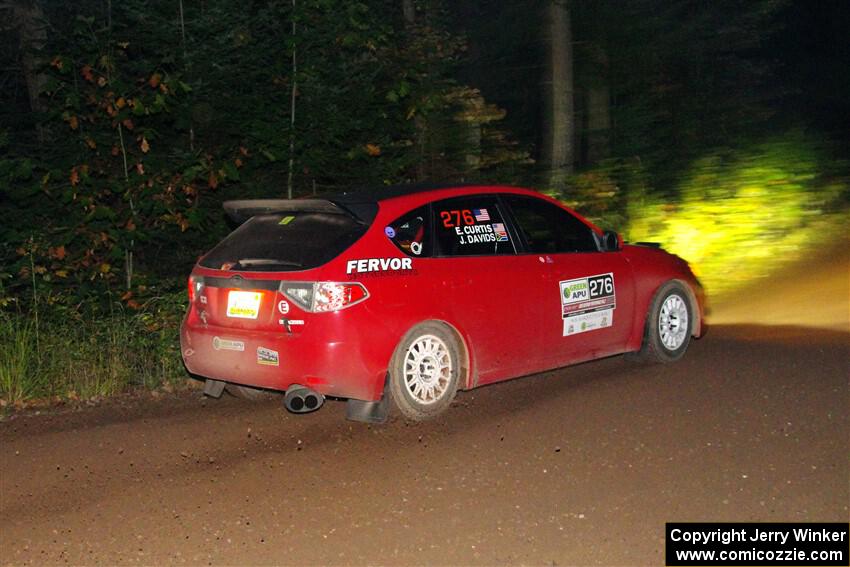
576, 287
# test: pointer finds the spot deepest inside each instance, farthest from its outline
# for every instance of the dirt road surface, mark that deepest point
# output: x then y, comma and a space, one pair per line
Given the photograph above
577, 466
814, 293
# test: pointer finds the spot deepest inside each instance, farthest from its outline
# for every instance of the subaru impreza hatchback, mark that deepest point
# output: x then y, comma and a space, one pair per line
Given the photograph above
402, 296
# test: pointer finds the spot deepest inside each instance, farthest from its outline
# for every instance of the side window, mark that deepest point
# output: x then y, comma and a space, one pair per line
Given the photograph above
411, 233
548, 228
470, 226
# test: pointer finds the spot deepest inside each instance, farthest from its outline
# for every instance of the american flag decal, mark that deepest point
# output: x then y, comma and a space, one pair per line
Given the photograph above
481, 215
501, 233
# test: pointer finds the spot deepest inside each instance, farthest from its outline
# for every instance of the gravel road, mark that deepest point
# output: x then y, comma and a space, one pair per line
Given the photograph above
582, 465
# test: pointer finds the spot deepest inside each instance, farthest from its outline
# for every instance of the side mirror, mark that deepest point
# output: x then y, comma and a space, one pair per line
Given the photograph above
611, 241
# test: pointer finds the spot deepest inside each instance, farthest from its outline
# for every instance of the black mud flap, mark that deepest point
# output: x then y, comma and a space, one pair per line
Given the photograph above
213, 388
369, 412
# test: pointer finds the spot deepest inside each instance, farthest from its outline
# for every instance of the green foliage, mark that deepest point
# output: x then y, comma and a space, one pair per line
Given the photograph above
81, 352
150, 130
94, 200
735, 215
602, 193
742, 215
153, 116
19, 375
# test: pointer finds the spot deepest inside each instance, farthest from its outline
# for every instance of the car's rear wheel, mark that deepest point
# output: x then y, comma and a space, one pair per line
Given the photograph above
669, 325
425, 371
248, 393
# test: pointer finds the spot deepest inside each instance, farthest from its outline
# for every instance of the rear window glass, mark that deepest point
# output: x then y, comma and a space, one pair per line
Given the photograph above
284, 242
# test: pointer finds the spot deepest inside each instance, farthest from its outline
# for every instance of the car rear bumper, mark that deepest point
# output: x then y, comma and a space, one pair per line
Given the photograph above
345, 366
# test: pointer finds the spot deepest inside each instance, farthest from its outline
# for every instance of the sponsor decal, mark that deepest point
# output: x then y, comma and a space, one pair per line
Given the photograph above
475, 234
501, 233
267, 357
416, 248
481, 215
227, 344
453, 218
584, 322
574, 290
283, 307
291, 321
286, 220
587, 303
390, 232
465, 223
390, 266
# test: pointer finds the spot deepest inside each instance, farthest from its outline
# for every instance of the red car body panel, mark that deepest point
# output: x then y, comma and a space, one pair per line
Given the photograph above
505, 310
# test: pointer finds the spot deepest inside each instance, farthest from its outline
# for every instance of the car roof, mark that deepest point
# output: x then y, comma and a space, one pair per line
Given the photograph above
378, 194
361, 203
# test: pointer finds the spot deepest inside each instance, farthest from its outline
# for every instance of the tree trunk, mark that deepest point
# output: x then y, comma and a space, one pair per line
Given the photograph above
471, 118
558, 119
598, 122
409, 11
420, 135
292, 94
32, 30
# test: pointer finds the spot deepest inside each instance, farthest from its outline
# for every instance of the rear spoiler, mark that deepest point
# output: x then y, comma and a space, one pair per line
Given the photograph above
242, 210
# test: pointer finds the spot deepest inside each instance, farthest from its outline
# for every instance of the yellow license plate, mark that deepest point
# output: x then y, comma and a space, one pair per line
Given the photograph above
243, 304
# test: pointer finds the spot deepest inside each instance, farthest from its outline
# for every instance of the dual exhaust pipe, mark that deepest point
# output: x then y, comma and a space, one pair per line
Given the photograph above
301, 399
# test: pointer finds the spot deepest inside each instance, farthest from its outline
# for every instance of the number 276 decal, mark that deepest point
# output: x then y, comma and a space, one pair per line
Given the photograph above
460, 217
601, 286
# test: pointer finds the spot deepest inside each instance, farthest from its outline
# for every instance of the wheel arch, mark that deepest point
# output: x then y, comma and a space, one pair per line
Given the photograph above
465, 380
696, 311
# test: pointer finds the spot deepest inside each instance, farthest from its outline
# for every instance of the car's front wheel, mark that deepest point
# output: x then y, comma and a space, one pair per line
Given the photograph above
425, 371
669, 324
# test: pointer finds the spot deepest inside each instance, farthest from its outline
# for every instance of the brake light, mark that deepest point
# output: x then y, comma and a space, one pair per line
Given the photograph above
323, 297
196, 286
330, 296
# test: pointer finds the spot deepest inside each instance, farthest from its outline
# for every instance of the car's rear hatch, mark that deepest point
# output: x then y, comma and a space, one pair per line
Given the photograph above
239, 283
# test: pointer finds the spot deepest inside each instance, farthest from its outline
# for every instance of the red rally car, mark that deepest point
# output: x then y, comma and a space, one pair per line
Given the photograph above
402, 296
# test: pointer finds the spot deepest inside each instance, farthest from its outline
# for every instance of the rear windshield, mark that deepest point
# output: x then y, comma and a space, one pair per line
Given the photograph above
285, 242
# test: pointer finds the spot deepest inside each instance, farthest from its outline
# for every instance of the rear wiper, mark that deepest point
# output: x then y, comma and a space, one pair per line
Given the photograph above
256, 262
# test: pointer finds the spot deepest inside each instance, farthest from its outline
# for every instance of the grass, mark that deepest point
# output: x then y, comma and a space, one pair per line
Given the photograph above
70, 353
18, 358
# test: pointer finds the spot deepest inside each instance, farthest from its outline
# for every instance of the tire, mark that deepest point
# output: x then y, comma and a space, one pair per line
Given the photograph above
424, 372
669, 324
248, 393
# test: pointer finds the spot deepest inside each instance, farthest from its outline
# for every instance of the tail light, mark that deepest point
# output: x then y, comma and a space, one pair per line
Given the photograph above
196, 286
323, 297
